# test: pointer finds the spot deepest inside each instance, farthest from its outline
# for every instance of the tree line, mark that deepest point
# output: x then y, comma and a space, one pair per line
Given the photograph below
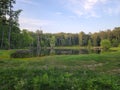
26, 39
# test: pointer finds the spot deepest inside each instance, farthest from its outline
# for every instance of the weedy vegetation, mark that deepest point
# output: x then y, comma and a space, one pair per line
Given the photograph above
61, 72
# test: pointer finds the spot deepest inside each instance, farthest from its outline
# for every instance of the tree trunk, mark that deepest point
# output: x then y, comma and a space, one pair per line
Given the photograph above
2, 39
10, 27
38, 46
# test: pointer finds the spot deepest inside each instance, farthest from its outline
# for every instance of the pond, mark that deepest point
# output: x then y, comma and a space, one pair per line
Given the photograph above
52, 51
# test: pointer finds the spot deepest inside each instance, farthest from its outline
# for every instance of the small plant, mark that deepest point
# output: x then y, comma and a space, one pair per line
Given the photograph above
20, 85
36, 83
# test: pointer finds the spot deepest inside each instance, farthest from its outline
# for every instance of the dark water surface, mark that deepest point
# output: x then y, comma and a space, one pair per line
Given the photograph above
64, 51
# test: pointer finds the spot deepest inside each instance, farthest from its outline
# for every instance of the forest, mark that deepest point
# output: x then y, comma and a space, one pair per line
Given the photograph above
88, 71
21, 39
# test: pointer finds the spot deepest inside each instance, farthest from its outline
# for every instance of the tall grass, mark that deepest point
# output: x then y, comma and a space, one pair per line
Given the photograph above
61, 72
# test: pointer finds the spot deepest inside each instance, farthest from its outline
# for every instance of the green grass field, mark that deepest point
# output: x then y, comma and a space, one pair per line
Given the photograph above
61, 72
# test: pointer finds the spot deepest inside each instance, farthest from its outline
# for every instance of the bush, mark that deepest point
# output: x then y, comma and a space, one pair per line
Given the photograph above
105, 44
115, 43
21, 54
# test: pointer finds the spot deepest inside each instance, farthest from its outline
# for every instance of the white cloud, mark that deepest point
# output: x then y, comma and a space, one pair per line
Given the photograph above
89, 4
90, 8
84, 7
27, 2
33, 24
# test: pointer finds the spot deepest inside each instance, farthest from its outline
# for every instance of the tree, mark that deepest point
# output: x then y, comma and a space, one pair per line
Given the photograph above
81, 38
6, 10
115, 42
52, 41
89, 44
116, 34
13, 19
95, 39
105, 44
26, 40
3, 19
39, 34
3, 10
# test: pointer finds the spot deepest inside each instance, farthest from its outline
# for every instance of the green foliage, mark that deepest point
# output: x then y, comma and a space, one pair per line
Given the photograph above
6, 53
52, 41
15, 37
24, 39
21, 79
89, 44
81, 38
65, 72
45, 79
20, 85
36, 83
96, 39
105, 44
115, 43
6, 9
21, 54
119, 45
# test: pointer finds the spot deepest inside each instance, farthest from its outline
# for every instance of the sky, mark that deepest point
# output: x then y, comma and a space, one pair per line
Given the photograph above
69, 16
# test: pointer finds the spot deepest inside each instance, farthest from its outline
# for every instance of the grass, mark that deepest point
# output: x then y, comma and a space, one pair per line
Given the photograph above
5, 53
106, 62
61, 72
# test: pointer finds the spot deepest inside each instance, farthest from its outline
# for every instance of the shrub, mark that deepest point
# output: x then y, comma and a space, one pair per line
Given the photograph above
105, 44
21, 54
115, 43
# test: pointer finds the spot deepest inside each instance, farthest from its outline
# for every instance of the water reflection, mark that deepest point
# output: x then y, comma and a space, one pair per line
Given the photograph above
53, 51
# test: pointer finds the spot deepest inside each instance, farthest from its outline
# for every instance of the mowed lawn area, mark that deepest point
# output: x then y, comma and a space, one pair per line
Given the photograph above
61, 72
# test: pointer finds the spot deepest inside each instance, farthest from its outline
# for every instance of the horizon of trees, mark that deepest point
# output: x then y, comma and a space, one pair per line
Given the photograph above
21, 39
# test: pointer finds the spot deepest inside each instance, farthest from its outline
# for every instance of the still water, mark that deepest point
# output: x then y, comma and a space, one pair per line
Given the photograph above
44, 52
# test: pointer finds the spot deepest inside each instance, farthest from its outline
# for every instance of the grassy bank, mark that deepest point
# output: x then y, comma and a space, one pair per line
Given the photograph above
63, 72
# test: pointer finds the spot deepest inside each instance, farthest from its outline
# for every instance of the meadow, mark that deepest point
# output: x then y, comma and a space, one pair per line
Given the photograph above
61, 72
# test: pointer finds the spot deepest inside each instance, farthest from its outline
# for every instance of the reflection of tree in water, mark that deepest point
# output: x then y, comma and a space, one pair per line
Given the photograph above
52, 51
83, 51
